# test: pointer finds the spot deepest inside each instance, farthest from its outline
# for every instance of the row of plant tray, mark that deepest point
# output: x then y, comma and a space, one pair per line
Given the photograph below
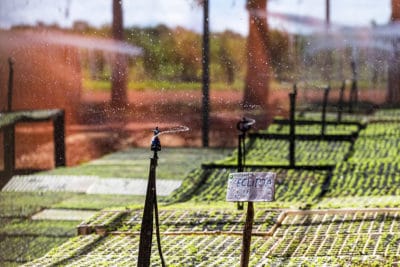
282, 121
306, 137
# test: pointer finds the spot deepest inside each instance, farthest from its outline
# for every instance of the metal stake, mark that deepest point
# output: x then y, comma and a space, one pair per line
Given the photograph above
353, 98
292, 133
10, 84
205, 74
243, 126
146, 231
324, 104
340, 103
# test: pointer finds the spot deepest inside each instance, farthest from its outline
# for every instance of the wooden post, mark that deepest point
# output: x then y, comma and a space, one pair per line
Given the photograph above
250, 191
246, 242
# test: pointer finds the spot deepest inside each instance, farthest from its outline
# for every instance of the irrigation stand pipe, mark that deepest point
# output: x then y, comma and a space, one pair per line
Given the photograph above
150, 205
243, 126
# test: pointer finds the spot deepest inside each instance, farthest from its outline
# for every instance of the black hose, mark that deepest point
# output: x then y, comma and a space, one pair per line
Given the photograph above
158, 229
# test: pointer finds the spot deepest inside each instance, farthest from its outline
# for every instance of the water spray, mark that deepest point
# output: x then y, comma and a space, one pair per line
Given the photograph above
172, 130
150, 206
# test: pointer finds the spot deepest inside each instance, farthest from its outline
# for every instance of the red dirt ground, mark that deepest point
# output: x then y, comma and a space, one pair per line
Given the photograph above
101, 129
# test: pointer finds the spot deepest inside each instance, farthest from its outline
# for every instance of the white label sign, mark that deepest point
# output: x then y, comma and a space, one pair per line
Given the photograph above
251, 186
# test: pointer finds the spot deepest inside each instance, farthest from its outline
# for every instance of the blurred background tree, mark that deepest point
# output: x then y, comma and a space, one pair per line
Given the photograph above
393, 92
119, 67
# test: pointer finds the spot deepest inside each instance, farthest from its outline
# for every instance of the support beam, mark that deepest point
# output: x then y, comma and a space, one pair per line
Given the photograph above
206, 76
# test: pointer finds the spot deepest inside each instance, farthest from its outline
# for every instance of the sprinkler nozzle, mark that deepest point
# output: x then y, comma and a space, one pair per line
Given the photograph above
245, 124
155, 141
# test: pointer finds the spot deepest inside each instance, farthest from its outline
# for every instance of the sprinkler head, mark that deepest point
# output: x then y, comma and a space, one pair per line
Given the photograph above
155, 141
244, 124
11, 61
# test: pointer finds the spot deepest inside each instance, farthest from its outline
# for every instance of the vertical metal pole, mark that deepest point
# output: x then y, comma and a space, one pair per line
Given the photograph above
9, 131
340, 103
353, 90
10, 84
146, 231
59, 139
328, 12
206, 78
240, 162
246, 243
240, 155
328, 56
292, 139
324, 104
243, 126
9, 150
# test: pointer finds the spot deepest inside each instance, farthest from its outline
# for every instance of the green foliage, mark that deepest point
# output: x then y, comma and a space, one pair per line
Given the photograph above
21, 249
175, 54
313, 129
24, 204
47, 228
381, 130
292, 186
162, 85
378, 142
355, 118
74, 246
204, 219
227, 57
276, 152
383, 115
376, 149
203, 231
98, 202
174, 163
365, 201
168, 54
105, 218
279, 55
306, 239
365, 179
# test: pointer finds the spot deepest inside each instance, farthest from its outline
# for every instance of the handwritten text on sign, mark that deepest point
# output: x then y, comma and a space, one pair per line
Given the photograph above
251, 186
